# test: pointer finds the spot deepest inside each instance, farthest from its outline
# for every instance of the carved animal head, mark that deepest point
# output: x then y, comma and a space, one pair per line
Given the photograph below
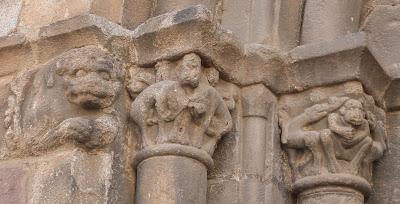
352, 112
93, 78
189, 71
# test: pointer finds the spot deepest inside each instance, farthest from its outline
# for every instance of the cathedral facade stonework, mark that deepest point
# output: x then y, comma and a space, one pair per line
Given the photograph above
200, 101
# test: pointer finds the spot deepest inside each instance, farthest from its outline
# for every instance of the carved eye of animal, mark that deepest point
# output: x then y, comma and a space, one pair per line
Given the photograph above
105, 75
80, 73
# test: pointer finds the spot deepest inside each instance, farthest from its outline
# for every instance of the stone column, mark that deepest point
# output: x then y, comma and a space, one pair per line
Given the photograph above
260, 145
172, 173
329, 19
180, 121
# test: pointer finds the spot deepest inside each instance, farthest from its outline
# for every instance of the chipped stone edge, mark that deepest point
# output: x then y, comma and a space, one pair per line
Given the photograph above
320, 49
67, 26
81, 22
12, 40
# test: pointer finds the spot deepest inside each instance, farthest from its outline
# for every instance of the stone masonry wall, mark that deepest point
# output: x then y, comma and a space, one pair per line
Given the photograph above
199, 101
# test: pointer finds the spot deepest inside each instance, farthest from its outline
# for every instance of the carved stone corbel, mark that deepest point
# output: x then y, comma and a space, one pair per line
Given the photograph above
181, 118
332, 144
69, 100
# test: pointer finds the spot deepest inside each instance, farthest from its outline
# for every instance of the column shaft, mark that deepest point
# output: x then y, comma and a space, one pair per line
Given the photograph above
331, 195
171, 180
254, 141
260, 147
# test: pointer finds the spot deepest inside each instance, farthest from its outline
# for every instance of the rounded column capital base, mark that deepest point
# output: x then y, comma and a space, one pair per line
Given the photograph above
175, 150
339, 180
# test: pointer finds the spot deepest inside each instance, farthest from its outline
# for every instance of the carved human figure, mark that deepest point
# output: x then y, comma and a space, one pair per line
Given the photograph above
352, 135
295, 137
140, 79
181, 118
342, 147
68, 100
187, 111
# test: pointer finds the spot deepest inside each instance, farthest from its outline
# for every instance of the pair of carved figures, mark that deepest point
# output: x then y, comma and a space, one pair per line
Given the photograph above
182, 107
347, 140
75, 99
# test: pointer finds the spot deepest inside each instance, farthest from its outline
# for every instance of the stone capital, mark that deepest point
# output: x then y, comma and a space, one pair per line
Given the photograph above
180, 117
181, 114
332, 136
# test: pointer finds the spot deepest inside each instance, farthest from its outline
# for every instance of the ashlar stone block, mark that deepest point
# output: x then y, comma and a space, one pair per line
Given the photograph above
9, 15
39, 13
13, 187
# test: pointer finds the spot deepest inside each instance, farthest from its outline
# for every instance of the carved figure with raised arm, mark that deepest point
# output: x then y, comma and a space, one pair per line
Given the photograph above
352, 137
187, 111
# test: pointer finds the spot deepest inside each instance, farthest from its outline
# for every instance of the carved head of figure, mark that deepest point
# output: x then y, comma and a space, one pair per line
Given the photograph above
212, 76
189, 71
352, 112
93, 78
140, 80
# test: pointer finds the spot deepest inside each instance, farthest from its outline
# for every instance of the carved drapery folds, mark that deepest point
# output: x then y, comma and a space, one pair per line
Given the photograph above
331, 146
181, 117
69, 100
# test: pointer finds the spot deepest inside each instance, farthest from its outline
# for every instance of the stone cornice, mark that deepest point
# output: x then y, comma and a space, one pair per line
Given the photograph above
31, 49
77, 23
174, 34
83, 22
171, 35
